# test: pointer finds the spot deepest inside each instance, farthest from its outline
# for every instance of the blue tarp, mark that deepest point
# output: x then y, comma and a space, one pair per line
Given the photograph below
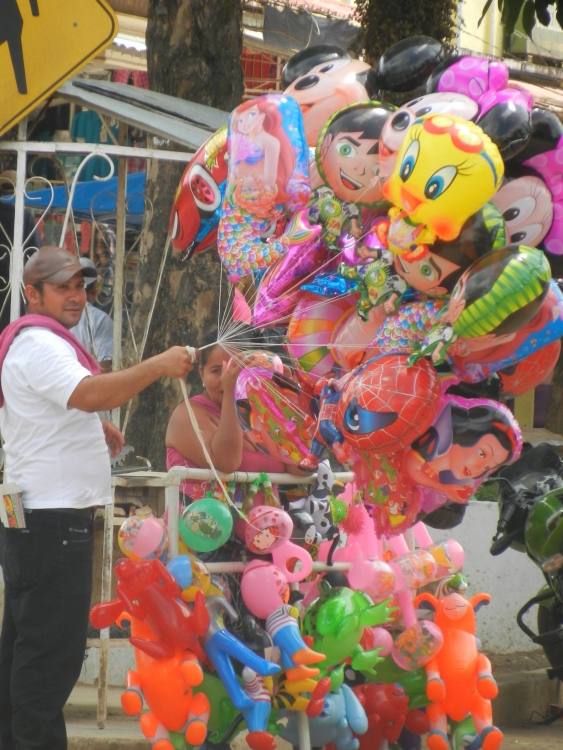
96, 196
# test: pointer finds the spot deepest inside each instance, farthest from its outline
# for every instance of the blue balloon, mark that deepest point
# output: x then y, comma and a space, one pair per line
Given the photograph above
180, 568
330, 285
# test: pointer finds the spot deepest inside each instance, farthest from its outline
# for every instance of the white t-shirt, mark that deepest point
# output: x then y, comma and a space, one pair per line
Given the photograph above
56, 454
101, 326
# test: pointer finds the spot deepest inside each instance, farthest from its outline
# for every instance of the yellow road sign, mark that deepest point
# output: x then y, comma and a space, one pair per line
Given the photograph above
44, 42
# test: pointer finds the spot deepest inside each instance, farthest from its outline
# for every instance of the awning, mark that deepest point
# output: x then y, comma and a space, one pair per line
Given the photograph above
290, 29
95, 197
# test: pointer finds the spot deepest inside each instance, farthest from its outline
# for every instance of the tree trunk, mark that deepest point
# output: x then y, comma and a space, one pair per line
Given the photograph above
193, 49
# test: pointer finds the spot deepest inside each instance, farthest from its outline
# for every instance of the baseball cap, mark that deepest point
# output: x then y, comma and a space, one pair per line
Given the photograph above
54, 265
89, 280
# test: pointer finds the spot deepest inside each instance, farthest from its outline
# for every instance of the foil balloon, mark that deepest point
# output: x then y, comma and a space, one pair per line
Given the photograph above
406, 64
268, 173
480, 358
276, 297
322, 79
381, 406
350, 343
347, 158
389, 495
195, 212
314, 325
468, 440
271, 409
527, 208
497, 295
530, 371
407, 327
396, 127
427, 185
504, 111
387, 387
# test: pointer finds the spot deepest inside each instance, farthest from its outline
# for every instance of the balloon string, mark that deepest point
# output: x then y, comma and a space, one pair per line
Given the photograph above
197, 430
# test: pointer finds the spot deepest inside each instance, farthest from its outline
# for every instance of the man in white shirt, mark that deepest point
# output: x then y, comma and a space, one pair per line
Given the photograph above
95, 327
55, 448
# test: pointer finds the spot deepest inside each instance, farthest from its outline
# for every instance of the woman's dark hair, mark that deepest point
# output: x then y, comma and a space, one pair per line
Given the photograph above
468, 427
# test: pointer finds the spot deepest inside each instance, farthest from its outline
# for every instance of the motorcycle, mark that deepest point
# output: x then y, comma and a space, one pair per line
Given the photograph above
531, 521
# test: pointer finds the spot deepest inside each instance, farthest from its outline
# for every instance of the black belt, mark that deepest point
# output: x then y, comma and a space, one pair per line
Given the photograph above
88, 512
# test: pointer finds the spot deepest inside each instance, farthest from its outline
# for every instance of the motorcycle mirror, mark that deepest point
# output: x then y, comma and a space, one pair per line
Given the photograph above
502, 543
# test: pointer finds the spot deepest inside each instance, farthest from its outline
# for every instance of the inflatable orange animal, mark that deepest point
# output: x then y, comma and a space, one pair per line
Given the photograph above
459, 677
166, 686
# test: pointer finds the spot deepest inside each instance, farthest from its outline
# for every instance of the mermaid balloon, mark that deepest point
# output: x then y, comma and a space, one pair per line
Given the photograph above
268, 173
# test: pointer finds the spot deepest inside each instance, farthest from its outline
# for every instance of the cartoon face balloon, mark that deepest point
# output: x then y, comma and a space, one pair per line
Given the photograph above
468, 440
323, 79
347, 152
446, 169
527, 209
385, 403
195, 213
396, 127
500, 292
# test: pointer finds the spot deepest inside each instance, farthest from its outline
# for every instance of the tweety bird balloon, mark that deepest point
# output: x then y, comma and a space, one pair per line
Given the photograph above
446, 170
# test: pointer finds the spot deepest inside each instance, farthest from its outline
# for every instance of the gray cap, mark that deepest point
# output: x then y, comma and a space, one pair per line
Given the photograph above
89, 280
54, 265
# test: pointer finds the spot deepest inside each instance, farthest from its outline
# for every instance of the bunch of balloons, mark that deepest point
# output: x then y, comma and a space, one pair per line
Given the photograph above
404, 254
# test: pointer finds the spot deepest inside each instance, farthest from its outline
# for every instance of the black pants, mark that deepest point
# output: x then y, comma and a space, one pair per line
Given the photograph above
48, 583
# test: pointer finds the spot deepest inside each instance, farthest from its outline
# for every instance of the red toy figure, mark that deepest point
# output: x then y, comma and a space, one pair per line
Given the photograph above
148, 592
459, 677
166, 685
387, 709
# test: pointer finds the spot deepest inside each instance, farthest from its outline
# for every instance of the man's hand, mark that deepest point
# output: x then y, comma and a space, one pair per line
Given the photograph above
176, 362
114, 438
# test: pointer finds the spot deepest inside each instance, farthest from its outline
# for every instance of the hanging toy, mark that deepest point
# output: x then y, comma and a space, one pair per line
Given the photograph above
446, 170
497, 295
268, 173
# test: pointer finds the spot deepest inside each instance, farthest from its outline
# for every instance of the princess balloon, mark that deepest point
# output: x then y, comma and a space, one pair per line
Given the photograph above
268, 172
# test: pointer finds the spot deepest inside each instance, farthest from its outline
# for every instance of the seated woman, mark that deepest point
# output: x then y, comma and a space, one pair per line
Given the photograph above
223, 436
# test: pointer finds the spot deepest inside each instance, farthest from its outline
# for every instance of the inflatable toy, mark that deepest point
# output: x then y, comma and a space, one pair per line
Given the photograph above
166, 686
143, 538
343, 714
148, 592
336, 620
459, 678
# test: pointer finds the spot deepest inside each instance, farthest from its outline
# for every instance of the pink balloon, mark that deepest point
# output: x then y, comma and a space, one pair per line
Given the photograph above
279, 290
149, 537
355, 335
